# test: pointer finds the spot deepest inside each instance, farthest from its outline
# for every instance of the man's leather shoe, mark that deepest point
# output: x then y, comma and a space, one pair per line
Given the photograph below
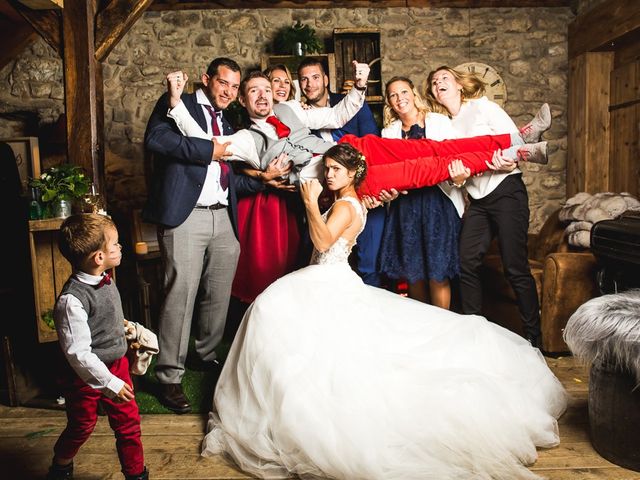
172, 397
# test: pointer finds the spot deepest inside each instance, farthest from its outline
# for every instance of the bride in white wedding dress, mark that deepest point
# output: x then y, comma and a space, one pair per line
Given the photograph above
330, 378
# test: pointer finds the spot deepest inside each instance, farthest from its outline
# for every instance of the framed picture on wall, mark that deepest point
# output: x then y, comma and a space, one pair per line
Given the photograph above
27, 153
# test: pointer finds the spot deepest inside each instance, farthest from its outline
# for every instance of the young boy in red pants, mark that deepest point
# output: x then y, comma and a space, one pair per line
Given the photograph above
90, 325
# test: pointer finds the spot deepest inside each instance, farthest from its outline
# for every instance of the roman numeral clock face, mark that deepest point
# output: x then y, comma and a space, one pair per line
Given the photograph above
495, 88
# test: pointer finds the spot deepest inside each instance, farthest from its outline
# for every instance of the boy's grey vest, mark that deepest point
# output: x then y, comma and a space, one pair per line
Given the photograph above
105, 318
301, 145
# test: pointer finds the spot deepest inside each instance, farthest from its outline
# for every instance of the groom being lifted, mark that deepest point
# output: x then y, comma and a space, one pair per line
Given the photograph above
282, 131
283, 128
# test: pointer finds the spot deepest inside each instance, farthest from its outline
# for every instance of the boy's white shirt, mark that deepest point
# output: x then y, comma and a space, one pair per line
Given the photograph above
74, 336
243, 146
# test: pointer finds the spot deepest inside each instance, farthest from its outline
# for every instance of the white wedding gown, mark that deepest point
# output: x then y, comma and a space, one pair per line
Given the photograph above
331, 378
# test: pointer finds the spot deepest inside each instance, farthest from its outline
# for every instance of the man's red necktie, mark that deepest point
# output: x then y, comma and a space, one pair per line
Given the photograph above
224, 168
281, 129
105, 280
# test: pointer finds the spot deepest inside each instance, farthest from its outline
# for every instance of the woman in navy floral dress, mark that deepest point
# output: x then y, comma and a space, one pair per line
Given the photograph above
420, 241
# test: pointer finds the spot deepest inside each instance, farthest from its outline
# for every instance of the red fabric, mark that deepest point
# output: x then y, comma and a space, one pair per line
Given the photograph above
406, 164
82, 414
281, 129
269, 243
214, 120
105, 280
224, 174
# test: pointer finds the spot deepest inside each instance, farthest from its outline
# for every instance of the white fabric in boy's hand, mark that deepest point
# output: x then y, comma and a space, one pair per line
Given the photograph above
146, 345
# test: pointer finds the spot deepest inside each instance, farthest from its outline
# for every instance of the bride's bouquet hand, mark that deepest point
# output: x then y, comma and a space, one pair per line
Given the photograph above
310, 190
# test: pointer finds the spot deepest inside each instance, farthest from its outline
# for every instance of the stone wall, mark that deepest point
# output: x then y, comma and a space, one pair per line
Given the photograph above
528, 46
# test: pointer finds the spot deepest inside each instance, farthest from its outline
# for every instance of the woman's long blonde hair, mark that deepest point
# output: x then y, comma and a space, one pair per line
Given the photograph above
472, 87
389, 115
280, 66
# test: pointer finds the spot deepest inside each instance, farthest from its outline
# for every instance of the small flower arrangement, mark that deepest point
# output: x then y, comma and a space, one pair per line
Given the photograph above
64, 182
287, 38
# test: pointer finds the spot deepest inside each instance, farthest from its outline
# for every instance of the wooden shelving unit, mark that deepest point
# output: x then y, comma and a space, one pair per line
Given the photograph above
50, 271
292, 62
363, 45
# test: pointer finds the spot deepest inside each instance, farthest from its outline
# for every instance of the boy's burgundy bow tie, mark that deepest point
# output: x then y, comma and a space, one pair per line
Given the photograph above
105, 280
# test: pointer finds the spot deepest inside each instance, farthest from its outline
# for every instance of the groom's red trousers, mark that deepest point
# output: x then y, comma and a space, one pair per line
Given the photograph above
406, 164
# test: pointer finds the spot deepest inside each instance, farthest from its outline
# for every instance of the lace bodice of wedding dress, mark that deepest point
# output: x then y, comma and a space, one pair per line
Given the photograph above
340, 250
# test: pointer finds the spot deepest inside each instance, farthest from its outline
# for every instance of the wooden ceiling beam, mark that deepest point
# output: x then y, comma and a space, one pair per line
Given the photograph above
42, 4
114, 22
18, 37
487, 3
601, 27
46, 22
83, 90
311, 4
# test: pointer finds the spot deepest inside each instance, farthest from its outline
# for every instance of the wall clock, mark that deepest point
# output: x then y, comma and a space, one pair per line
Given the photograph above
495, 88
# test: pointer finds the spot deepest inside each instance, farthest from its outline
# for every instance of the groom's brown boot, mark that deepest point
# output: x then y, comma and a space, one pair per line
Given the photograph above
172, 397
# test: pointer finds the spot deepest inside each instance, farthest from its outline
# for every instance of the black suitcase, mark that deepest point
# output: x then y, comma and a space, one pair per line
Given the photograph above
616, 245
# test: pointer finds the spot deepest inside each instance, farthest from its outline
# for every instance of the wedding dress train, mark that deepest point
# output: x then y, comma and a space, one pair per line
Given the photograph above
331, 378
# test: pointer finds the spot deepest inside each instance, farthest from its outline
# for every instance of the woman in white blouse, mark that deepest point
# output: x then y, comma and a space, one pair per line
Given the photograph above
499, 204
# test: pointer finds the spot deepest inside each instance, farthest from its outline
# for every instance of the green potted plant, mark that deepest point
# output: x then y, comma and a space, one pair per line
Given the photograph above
59, 186
297, 39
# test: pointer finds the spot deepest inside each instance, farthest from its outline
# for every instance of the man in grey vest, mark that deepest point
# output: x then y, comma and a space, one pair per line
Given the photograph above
276, 129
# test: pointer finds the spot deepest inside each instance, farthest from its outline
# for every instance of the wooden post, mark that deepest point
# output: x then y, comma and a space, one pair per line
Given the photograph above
84, 101
589, 123
624, 169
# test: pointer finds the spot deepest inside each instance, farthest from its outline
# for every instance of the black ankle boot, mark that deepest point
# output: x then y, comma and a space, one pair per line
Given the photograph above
535, 340
60, 472
141, 476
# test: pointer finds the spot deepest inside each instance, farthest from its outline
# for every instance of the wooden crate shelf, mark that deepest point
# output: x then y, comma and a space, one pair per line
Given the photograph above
363, 45
292, 62
50, 271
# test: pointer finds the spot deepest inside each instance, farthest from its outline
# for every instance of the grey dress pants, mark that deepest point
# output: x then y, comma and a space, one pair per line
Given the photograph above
199, 259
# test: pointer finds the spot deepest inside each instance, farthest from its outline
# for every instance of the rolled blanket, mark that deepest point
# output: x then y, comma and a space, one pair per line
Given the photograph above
583, 210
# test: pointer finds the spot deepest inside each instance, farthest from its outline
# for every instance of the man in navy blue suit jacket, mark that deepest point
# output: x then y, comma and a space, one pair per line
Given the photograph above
192, 199
314, 84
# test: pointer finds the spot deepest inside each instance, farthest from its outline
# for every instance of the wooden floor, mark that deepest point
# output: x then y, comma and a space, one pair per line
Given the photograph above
172, 443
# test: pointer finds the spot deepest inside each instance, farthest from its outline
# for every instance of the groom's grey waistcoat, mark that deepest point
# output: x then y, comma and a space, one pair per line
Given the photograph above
301, 145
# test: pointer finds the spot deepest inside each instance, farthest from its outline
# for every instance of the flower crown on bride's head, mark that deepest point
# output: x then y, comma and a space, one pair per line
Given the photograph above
362, 166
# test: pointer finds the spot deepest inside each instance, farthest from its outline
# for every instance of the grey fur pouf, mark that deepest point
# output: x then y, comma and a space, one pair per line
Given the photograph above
605, 332
606, 329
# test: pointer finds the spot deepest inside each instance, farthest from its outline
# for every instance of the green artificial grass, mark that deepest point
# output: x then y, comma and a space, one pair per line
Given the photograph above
198, 386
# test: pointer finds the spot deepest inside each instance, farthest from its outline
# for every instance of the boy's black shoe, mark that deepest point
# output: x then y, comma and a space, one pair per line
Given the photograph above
60, 472
141, 476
